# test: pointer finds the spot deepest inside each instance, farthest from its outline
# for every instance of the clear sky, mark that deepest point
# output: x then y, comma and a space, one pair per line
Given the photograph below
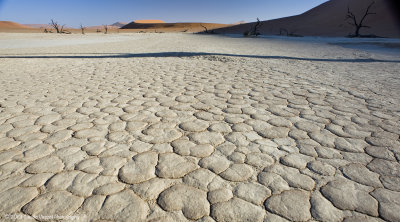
97, 12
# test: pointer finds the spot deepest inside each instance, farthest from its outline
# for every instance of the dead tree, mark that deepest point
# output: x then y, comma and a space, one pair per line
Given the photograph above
105, 29
58, 28
353, 19
205, 28
254, 31
82, 29
55, 25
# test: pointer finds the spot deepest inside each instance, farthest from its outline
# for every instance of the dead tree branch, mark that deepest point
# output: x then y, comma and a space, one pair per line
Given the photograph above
55, 25
82, 29
105, 29
205, 28
254, 31
353, 19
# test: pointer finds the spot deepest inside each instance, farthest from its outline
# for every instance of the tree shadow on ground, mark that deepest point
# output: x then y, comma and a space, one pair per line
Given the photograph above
180, 54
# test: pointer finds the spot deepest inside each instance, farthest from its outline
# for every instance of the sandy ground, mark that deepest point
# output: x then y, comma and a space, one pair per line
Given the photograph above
183, 127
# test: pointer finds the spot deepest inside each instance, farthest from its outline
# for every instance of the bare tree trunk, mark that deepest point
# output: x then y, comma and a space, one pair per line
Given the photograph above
55, 25
205, 28
83, 29
105, 29
255, 31
353, 19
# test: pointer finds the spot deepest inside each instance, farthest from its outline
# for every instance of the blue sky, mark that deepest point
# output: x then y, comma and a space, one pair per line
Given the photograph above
97, 12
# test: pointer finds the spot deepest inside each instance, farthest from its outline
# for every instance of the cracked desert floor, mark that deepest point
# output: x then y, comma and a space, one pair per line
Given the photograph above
184, 127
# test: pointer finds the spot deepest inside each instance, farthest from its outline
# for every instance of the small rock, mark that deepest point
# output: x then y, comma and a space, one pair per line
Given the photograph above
35, 153
292, 176
361, 174
119, 136
220, 128
274, 132
94, 148
389, 204
323, 210
385, 167
280, 122
259, 160
273, 181
350, 145
142, 168
237, 210
109, 189
212, 138
47, 119
252, 192
380, 152
50, 164
237, 173
15, 198
296, 160
216, 163
237, 157
124, 206
219, 195
191, 201
162, 135
324, 138
307, 126
36, 180
194, 126
321, 168
391, 183
149, 190
199, 178
60, 203
58, 137
293, 205
171, 165
347, 195
188, 148
328, 153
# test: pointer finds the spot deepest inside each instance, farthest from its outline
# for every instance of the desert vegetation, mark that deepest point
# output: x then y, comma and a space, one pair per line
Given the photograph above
359, 24
105, 29
206, 31
59, 28
254, 31
82, 29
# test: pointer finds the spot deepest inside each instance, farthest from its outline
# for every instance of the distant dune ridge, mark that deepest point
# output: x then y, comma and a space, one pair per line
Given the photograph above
44, 26
148, 21
119, 24
328, 19
174, 27
12, 25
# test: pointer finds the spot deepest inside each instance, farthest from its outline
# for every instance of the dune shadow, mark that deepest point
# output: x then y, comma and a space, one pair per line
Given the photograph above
179, 54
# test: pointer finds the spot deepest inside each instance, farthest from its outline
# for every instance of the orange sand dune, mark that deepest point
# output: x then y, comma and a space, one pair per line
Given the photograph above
7, 26
173, 27
328, 19
44, 26
12, 25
